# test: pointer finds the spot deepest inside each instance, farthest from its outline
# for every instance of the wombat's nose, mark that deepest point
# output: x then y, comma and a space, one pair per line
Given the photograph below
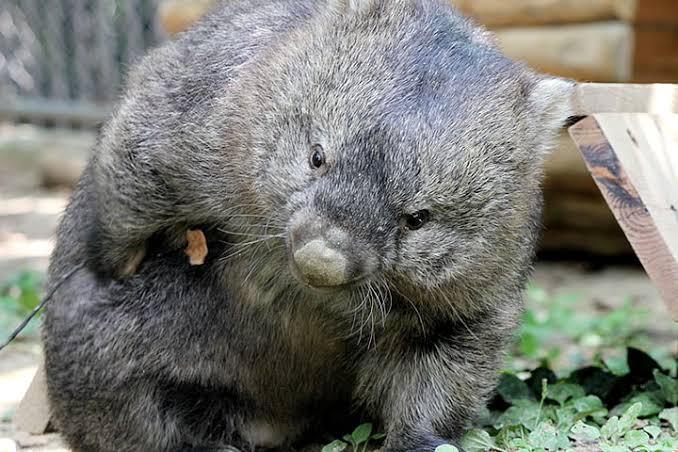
321, 265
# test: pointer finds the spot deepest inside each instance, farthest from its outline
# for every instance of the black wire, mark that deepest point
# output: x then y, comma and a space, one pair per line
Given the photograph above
42, 304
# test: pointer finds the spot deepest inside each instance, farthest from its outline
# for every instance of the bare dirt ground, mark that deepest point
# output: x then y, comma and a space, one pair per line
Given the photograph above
29, 215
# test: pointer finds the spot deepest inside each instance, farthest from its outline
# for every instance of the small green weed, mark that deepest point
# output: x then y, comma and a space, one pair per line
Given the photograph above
556, 324
19, 294
358, 440
628, 411
634, 411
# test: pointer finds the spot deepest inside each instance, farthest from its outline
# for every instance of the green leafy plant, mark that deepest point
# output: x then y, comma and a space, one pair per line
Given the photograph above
358, 440
552, 321
634, 410
19, 294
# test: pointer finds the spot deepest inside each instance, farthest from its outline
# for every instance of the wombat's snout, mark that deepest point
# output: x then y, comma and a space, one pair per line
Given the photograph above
321, 265
324, 257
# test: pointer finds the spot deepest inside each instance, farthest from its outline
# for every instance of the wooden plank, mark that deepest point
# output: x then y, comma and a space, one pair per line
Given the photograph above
647, 147
595, 52
634, 160
33, 414
593, 98
502, 13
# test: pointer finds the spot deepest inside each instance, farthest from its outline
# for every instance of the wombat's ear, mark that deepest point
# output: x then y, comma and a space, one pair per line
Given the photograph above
350, 6
550, 102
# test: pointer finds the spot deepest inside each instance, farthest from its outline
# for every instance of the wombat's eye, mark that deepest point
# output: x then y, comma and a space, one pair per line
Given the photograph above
416, 220
317, 157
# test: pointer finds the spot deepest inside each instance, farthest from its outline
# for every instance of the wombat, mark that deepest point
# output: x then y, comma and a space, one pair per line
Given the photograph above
367, 175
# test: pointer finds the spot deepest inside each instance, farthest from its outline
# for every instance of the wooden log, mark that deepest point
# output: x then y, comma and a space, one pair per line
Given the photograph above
593, 52
177, 15
633, 159
502, 13
597, 243
580, 213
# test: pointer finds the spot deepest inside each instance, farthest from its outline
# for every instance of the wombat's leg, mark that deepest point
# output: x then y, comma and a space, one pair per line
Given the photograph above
427, 390
130, 200
143, 417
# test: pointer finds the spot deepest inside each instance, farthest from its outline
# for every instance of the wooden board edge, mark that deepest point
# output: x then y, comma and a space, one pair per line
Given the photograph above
628, 208
593, 98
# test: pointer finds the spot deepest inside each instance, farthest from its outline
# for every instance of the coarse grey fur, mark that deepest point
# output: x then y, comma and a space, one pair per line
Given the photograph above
415, 109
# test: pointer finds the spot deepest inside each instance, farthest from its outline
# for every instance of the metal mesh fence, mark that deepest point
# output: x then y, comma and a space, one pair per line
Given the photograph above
69, 56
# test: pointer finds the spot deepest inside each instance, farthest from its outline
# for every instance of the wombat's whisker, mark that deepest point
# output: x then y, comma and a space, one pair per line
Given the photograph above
253, 242
361, 310
261, 217
385, 301
250, 234
455, 312
378, 309
239, 248
421, 320
370, 317
266, 226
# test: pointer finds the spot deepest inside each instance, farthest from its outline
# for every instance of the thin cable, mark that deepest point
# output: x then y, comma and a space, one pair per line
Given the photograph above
41, 305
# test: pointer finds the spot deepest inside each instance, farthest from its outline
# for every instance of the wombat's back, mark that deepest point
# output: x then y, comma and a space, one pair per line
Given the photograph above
162, 121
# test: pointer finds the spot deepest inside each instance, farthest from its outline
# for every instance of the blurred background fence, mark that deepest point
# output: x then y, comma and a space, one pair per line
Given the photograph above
63, 61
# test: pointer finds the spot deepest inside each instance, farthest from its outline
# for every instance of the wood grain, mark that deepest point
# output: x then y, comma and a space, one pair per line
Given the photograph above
633, 160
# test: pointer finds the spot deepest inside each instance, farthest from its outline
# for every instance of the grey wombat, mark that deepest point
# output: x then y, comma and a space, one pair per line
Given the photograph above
367, 174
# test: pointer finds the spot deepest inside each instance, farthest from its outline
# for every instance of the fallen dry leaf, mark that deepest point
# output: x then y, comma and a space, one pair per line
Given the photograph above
197, 247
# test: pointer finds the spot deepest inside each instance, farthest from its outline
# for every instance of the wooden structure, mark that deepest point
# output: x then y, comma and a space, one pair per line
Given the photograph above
600, 40
634, 160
